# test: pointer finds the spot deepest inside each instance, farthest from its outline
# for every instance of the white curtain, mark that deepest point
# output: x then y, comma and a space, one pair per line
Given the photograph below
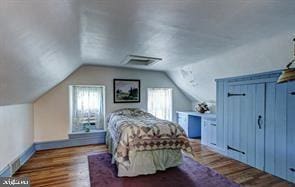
88, 107
160, 102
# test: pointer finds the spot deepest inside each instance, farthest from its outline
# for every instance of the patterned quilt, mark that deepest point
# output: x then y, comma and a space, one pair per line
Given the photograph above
136, 130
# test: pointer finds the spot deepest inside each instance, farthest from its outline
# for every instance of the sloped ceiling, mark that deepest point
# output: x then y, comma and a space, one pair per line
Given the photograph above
197, 80
43, 41
39, 47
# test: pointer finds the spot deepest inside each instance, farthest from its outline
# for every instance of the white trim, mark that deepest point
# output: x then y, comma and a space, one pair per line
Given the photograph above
70, 108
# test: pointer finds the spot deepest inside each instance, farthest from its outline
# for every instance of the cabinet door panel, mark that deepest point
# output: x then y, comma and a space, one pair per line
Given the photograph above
208, 133
270, 124
231, 113
245, 137
220, 115
204, 134
182, 121
234, 113
213, 133
194, 126
259, 123
281, 130
243, 125
251, 125
291, 132
276, 129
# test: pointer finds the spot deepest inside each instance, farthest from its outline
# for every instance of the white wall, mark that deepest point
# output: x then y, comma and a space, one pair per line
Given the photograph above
198, 79
51, 111
16, 134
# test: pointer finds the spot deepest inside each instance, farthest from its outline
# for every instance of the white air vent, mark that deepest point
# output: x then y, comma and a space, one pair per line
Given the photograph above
140, 60
14, 166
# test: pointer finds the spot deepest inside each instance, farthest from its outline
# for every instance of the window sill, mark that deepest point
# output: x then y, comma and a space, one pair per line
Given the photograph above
91, 134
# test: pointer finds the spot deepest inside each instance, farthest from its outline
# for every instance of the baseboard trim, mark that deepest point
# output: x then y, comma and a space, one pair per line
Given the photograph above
74, 140
5, 172
24, 157
216, 149
27, 154
220, 151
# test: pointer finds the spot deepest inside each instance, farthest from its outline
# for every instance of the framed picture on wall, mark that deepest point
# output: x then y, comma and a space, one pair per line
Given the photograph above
126, 91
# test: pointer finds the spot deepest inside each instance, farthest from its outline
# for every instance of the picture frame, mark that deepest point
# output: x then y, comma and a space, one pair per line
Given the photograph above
126, 90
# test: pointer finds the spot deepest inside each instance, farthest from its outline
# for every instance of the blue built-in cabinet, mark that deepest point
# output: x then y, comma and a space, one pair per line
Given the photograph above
291, 132
256, 122
193, 124
190, 123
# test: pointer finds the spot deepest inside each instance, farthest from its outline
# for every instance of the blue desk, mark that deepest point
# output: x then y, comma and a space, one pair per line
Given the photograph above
191, 122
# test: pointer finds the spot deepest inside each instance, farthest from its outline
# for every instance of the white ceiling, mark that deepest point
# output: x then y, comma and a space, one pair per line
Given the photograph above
43, 41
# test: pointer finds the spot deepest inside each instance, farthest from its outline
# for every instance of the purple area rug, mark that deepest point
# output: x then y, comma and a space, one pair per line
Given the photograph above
189, 174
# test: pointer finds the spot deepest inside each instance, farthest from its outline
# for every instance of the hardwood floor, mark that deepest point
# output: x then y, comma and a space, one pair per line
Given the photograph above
69, 167
235, 170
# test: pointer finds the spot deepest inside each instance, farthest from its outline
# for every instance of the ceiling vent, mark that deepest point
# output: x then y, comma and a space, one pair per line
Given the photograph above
136, 60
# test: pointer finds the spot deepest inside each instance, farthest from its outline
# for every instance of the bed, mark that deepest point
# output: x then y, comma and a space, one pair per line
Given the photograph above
142, 144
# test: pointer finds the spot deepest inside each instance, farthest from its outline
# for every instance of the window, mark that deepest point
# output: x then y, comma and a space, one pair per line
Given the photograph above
87, 108
160, 102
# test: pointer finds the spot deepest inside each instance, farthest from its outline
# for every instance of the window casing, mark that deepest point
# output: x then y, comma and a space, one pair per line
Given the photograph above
160, 102
87, 108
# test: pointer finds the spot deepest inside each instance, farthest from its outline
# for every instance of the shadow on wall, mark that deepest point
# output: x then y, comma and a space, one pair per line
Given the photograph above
197, 80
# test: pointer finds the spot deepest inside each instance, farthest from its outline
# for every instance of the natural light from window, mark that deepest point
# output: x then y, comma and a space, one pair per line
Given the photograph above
160, 102
87, 108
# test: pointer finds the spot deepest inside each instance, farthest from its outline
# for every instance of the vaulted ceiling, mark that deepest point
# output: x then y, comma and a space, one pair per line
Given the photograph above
43, 41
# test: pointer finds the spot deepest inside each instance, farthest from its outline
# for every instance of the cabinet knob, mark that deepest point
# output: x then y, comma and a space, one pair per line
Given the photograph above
292, 169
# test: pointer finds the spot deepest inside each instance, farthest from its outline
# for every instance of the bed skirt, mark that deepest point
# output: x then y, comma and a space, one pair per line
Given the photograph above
147, 162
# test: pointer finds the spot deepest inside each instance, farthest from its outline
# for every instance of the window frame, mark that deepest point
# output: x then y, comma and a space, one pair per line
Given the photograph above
71, 87
172, 104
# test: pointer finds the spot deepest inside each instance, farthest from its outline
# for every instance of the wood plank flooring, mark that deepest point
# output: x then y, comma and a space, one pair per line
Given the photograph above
69, 167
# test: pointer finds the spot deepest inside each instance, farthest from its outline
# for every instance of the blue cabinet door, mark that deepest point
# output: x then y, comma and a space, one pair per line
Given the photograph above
194, 126
244, 116
291, 132
209, 132
190, 123
276, 129
204, 132
182, 120
259, 125
220, 105
236, 130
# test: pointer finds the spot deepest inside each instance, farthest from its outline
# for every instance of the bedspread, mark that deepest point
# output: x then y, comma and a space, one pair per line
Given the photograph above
137, 130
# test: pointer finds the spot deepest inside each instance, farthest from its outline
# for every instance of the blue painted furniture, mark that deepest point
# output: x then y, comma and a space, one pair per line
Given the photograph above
291, 132
191, 122
208, 129
255, 118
